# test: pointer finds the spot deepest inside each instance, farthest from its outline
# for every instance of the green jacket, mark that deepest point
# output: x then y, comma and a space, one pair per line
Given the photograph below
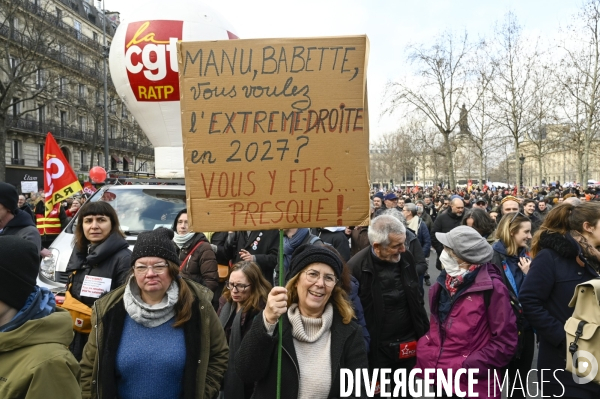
35, 361
214, 351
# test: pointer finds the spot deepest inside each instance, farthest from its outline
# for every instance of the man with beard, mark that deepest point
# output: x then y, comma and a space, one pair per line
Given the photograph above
429, 207
393, 306
377, 201
445, 222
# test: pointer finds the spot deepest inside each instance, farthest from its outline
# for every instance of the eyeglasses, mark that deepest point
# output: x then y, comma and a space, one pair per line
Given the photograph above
237, 287
158, 268
312, 276
515, 216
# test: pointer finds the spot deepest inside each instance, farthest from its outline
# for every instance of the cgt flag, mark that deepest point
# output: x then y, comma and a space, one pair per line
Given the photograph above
60, 181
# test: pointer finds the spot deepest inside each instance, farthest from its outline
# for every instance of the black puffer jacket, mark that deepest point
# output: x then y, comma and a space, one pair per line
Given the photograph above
110, 259
22, 226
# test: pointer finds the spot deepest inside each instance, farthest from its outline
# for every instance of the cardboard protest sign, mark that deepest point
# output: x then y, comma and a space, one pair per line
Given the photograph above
275, 132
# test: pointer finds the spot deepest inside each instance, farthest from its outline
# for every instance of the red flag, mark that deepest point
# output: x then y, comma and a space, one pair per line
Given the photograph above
88, 188
60, 181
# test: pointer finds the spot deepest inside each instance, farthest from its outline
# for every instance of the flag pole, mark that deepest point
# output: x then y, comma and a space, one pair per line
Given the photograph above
280, 326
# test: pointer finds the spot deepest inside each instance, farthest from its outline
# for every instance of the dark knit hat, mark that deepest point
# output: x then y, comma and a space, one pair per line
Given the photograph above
158, 243
308, 254
19, 265
9, 197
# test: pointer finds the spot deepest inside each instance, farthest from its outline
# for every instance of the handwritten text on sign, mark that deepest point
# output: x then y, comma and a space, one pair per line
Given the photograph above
275, 132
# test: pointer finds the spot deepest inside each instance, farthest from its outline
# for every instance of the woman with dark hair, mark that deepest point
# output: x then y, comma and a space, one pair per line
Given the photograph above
565, 254
196, 256
100, 250
244, 296
157, 336
482, 222
510, 255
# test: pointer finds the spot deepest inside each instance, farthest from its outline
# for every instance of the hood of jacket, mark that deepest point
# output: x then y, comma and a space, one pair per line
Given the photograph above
54, 328
113, 244
21, 219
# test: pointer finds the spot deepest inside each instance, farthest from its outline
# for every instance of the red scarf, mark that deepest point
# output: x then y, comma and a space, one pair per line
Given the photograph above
454, 283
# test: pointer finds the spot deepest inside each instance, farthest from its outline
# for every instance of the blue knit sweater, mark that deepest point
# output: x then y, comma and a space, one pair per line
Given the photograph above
150, 361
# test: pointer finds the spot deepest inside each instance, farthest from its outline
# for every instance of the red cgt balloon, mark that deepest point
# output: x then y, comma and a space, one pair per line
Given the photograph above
98, 174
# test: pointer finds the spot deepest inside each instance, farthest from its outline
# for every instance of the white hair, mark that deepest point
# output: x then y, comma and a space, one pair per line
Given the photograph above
382, 226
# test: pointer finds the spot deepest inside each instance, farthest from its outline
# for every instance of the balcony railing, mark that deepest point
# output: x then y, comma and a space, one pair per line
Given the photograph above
84, 168
73, 134
17, 161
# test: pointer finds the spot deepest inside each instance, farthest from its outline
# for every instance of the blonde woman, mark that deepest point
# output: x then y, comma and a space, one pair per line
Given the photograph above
319, 336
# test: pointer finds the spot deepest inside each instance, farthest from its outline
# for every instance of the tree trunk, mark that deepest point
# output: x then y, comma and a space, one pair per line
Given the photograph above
480, 177
449, 160
518, 163
541, 174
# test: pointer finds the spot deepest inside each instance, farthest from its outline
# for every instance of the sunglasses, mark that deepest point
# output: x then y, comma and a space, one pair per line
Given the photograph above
515, 216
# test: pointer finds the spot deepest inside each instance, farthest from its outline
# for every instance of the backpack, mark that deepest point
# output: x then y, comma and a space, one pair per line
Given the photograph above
516, 307
583, 332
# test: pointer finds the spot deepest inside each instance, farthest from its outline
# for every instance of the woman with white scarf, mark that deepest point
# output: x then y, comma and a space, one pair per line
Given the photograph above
197, 258
157, 336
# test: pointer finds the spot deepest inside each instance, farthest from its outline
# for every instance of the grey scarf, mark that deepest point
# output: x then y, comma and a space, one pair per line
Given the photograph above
149, 315
181, 239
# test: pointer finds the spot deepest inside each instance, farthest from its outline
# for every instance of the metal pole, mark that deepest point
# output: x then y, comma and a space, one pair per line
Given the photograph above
104, 55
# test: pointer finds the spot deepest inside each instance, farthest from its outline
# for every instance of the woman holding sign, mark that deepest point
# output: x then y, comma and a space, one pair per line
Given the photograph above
99, 262
319, 336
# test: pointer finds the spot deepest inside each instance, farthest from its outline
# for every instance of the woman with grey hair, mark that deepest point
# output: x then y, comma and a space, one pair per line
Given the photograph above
471, 310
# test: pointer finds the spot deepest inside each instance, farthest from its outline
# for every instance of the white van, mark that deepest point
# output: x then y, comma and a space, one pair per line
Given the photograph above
140, 207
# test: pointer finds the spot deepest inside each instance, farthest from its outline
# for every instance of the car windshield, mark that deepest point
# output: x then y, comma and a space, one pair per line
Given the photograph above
147, 209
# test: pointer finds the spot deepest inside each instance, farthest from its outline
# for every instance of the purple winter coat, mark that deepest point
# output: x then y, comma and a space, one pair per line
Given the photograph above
473, 336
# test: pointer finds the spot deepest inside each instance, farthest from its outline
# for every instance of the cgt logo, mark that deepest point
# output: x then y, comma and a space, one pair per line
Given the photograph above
151, 59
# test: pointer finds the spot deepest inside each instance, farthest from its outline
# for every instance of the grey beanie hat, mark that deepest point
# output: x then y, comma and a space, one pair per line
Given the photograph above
467, 244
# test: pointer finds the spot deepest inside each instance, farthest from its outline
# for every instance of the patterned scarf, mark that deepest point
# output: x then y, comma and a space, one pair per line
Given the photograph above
592, 255
454, 283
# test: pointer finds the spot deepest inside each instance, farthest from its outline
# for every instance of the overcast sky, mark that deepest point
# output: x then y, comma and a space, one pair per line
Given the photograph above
389, 24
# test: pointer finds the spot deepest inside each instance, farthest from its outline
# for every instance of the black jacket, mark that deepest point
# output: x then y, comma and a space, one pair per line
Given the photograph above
416, 250
545, 296
257, 357
110, 259
337, 239
22, 226
361, 267
444, 222
266, 251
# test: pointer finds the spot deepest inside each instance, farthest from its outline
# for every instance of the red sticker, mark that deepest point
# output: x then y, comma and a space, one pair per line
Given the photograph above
408, 350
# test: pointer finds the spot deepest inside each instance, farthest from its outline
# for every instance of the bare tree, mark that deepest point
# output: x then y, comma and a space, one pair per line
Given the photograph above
438, 86
513, 88
581, 82
544, 137
27, 48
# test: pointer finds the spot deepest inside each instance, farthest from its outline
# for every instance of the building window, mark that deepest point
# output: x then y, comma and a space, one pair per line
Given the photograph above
142, 167
40, 155
16, 151
41, 114
16, 107
124, 112
86, 8
77, 26
82, 158
81, 91
81, 123
124, 134
62, 86
39, 76
59, 14
112, 131
14, 63
95, 36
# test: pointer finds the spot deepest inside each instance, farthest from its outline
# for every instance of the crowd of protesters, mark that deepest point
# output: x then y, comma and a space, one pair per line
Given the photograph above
167, 326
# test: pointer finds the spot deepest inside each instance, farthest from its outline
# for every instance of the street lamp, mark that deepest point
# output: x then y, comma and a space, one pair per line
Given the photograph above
521, 161
105, 50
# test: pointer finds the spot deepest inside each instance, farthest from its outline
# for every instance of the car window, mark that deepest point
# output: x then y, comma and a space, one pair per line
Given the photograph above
147, 209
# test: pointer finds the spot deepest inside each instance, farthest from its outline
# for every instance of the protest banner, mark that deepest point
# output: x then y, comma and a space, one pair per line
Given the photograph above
60, 181
275, 132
